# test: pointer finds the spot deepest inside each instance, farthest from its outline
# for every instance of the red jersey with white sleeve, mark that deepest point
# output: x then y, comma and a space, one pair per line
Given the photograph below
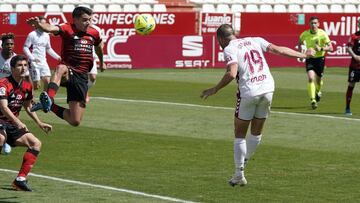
15, 93
77, 47
354, 43
253, 77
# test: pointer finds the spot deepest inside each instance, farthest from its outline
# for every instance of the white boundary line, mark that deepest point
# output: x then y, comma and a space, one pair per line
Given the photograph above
103, 187
219, 107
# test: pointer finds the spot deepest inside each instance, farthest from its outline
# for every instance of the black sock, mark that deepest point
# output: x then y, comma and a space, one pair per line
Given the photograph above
58, 110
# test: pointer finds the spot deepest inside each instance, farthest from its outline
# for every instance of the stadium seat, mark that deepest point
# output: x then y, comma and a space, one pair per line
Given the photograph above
280, 8
322, 8
237, 8
308, 8
251, 8
268, 1
53, 8
85, 5
37, 8
99, 8
309, 2
118, 2
114, 8
22, 8
159, 8
242, 2
266, 8
285, 2
336, 8
130, 8
208, 8
223, 8
150, 1
294, 8
144, 8
350, 8
68, 8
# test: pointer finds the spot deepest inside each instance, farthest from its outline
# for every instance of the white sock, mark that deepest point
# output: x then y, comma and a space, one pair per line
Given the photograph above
252, 142
90, 83
239, 155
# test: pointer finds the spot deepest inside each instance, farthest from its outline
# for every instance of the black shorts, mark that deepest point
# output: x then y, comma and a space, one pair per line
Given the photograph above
316, 64
354, 75
12, 133
77, 87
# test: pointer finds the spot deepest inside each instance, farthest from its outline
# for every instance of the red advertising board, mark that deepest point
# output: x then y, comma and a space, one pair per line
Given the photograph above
286, 28
211, 21
175, 43
116, 29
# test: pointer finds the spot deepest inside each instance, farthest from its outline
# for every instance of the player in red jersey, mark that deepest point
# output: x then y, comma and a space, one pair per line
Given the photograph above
354, 68
78, 40
16, 92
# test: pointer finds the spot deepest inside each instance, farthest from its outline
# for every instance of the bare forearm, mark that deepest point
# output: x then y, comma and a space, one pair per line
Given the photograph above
351, 52
9, 115
226, 79
99, 52
285, 51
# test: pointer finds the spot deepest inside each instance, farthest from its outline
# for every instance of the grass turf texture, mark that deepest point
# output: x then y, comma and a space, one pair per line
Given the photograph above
186, 152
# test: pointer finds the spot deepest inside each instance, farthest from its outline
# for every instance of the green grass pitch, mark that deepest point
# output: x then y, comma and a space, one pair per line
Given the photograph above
180, 151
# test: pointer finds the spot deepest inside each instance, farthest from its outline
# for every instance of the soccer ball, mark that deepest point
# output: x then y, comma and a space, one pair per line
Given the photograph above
144, 24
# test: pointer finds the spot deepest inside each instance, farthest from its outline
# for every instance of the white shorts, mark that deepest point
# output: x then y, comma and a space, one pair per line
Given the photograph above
253, 107
39, 70
94, 69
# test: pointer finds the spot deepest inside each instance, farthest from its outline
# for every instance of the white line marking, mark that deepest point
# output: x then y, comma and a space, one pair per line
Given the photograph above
102, 187
220, 107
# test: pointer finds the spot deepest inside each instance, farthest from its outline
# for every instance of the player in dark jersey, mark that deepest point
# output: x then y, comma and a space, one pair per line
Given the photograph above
78, 40
354, 68
15, 93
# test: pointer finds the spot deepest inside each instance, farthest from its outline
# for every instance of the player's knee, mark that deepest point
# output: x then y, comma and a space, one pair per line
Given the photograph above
75, 123
36, 145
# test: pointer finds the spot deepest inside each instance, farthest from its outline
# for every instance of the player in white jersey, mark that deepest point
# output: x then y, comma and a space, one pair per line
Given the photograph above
40, 43
7, 47
246, 62
93, 72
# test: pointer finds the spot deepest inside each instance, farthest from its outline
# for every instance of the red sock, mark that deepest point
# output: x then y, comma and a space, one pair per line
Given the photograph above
349, 93
52, 89
29, 160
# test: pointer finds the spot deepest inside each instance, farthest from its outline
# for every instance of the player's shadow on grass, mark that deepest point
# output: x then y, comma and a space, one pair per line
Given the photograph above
288, 107
7, 199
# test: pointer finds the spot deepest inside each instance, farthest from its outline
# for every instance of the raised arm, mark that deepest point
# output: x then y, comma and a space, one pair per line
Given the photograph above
285, 51
45, 27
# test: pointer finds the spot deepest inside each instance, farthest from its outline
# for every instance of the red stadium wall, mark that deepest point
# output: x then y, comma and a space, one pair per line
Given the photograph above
186, 39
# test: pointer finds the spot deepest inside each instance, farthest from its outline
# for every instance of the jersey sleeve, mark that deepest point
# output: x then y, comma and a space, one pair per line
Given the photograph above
262, 42
3, 91
326, 38
351, 41
97, 39
28, 41
230, 55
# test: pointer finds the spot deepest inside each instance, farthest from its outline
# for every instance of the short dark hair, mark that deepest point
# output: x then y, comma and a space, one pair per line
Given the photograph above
6, 36
225, 31
314, 18
17, 58
80, 10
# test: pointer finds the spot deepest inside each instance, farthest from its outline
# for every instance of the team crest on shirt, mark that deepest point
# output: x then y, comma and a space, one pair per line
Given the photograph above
2, 91
228, 58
